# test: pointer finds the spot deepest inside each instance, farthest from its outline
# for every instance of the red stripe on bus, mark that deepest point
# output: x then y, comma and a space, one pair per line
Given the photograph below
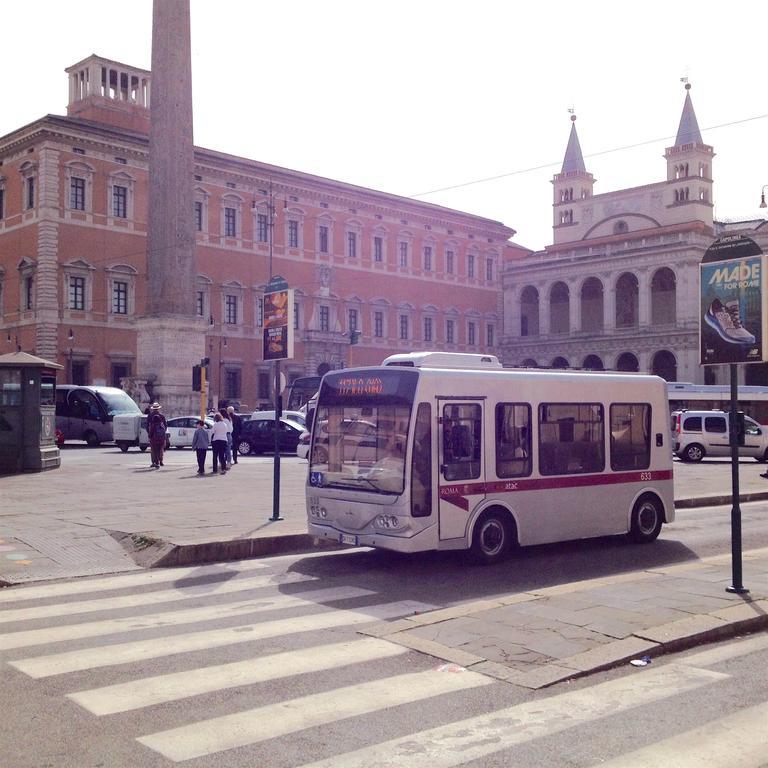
457, 493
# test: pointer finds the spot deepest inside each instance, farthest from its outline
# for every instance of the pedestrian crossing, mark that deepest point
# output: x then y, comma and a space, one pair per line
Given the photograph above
288, 646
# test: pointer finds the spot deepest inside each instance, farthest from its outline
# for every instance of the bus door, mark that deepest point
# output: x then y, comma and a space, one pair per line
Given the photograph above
461, 477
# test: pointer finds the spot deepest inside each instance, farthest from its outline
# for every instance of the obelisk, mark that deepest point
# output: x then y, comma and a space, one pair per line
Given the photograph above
170, 337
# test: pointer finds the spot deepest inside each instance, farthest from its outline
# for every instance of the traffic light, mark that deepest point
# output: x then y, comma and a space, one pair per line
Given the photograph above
354, 337
196, 378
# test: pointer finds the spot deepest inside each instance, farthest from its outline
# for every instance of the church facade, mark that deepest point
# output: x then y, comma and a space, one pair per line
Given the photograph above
618, 288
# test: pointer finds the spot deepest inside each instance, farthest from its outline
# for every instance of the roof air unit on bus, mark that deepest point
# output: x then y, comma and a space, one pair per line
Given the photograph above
442, 360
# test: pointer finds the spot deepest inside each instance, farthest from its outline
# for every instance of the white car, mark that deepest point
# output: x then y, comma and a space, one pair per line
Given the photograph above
181, 429
302, 449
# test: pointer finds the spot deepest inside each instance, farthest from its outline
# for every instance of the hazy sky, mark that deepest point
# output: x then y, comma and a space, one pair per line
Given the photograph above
410, 97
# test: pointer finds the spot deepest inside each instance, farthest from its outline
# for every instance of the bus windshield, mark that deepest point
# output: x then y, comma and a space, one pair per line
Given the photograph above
118, 402
361, 430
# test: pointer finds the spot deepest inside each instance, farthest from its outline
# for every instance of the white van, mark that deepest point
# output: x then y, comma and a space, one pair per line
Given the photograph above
86, 413
696, 434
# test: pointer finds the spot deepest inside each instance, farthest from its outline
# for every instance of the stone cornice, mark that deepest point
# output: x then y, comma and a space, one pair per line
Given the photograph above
253, 174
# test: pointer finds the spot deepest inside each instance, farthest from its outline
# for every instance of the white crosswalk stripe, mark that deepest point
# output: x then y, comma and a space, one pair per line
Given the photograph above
32, 637
148, 598
738, 740
118, 677
141, 650
127, 581
476, 737
252, 726
172, 687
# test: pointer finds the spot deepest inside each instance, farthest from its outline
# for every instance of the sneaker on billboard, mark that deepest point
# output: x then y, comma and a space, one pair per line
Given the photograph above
724, 319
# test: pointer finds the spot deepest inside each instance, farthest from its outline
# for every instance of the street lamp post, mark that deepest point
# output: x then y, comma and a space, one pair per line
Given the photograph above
762, 197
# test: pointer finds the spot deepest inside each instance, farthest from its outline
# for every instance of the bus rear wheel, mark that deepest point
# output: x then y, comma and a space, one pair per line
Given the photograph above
492, 538
647, 518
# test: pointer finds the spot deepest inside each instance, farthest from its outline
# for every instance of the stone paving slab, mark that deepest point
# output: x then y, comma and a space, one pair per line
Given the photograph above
528, 643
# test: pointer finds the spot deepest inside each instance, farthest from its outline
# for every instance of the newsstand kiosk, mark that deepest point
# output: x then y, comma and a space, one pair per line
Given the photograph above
27, 414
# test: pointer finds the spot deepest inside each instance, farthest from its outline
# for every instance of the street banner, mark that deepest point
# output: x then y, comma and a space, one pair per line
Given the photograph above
732, 317
278, 324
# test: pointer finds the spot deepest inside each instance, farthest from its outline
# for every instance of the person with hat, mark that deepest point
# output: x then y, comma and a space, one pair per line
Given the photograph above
157, 430
236, 428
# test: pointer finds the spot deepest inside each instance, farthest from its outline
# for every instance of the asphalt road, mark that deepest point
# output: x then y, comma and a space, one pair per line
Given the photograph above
260, 663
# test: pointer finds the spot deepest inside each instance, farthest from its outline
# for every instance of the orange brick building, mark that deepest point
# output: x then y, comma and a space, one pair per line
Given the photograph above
73, 263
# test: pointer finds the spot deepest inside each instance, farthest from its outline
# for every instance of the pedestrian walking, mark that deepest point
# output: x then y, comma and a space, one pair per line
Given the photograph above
237, 424
228, 422
157, 430
219, 443
200, 443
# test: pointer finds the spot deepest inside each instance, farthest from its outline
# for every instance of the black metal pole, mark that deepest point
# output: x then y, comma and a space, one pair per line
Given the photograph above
736, 585
276, 472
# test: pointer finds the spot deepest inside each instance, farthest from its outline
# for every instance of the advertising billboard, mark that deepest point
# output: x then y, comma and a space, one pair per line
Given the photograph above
278, 324
732, 312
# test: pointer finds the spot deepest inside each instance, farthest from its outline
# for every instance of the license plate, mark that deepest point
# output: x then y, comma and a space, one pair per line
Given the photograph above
348, 538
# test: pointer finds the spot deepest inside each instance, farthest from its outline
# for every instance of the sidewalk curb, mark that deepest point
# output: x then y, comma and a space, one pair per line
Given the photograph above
157, 553
717, 501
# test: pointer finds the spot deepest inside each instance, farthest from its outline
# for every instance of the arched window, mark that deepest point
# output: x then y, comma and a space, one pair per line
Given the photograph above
620, 227
529, 362
559, 309
559, 362
529, 311
665, 365
627, 293
593, 363
592, 306
663, 297
627, 363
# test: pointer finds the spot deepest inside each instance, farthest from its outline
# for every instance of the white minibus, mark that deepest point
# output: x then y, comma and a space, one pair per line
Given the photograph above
449, 451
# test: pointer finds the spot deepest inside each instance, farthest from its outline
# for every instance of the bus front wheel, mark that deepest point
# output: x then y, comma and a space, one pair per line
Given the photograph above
647, 518
492, 538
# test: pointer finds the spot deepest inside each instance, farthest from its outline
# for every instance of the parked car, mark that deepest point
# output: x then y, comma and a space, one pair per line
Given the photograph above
182, 428
302, 449
296, 416
696, 434
258, 436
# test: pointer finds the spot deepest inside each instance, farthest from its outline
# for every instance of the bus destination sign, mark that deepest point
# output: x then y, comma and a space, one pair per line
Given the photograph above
360, 385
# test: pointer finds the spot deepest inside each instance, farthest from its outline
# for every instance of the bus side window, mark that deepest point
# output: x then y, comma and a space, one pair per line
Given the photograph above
513, 439
462, 442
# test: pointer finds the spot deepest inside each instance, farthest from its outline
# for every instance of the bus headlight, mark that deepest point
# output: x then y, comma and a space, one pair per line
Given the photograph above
387, 522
